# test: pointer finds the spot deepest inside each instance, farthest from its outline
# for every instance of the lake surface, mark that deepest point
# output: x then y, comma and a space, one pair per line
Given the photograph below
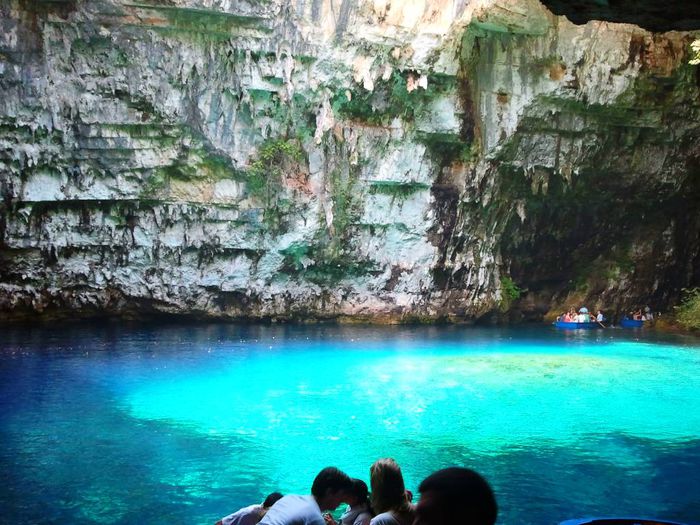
184, 424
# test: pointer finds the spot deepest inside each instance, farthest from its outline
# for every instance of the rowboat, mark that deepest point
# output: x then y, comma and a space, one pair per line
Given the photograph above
576, 326
619, 521
631, 323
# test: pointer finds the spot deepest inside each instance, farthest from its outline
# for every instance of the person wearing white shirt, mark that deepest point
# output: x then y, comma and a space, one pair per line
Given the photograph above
251, 514
329, 490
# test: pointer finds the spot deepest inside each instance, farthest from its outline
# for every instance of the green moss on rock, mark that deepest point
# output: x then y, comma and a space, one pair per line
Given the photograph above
397, 189
203, 20
322, 266
263, 179
446, 148
345, 203
390, 99
198, 164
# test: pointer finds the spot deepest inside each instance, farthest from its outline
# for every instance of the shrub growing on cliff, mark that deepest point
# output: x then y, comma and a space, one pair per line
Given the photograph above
264, 177
274, 156
509, 292
391, 98
688, 313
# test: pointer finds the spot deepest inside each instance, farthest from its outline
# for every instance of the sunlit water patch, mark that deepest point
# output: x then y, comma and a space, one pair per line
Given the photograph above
139, 425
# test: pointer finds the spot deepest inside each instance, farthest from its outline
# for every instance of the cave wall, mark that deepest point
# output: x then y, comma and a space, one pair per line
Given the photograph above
402, 161
595, 153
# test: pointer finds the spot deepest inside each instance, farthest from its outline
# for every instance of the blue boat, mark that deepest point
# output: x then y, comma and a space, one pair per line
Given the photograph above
576, 326
619, 521
631, 323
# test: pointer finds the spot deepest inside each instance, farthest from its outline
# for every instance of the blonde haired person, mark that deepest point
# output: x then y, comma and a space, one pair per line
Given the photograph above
389, 498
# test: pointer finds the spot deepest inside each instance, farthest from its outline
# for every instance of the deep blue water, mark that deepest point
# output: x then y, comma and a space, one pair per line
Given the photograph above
184, 424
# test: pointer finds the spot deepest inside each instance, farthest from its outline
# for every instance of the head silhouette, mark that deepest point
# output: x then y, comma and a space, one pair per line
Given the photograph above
456, 496
329, 488
271, 499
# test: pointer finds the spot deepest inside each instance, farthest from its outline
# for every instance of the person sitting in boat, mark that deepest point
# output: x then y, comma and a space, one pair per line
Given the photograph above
637, 316
583, 315
566, 317
648, 315
600, 317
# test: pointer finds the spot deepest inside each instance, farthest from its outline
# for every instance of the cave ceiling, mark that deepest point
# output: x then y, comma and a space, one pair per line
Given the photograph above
679, 15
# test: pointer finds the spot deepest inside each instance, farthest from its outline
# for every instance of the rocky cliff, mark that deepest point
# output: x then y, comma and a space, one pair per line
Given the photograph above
341, 159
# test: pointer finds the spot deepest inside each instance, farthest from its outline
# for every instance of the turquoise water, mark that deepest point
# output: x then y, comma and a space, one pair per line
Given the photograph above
176, 424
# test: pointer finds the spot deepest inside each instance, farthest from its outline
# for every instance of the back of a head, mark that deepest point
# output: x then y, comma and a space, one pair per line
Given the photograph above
388, 489
271, 499
464, 496
359, 489
330, 480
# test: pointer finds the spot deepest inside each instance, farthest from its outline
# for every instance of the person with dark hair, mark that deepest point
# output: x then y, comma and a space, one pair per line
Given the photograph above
389, 496
359, 512
252, 514
272, 499
329, 490
456, 496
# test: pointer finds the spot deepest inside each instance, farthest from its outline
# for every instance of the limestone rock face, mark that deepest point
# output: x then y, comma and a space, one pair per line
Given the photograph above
354, 159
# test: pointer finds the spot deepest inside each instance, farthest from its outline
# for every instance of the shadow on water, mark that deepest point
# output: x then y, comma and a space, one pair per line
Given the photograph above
72, 454
611, 475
